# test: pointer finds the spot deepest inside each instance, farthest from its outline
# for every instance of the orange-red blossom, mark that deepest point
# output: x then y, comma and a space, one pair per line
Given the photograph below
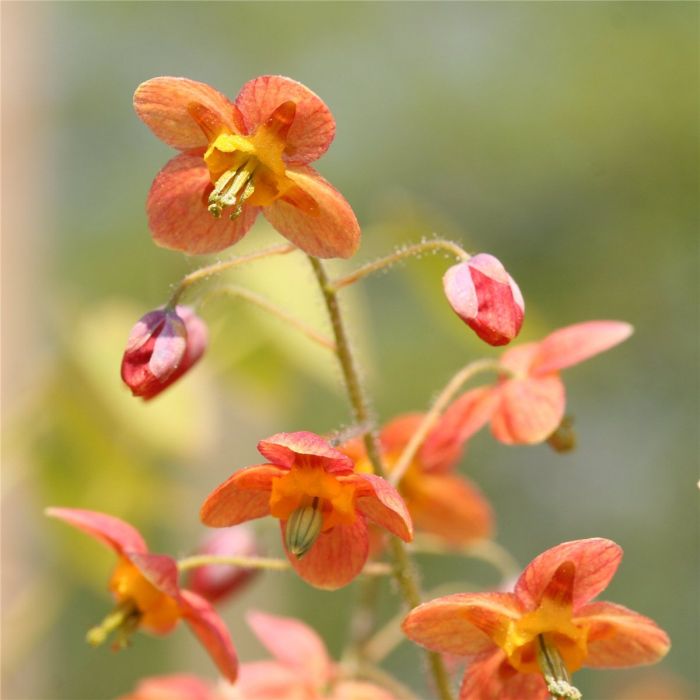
547, 628
321, 503
240, 158
146, 589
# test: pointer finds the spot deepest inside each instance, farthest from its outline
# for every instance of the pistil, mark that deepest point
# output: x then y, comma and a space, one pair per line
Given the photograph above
303, 528
554, 670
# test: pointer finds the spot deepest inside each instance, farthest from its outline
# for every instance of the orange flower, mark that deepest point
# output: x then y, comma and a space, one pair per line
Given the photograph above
146, 589
239, 158
321, 503
440, 502
527, 405
526, 644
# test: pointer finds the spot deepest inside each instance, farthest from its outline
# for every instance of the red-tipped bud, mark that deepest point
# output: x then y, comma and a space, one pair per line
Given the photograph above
218, 581
161, 347
486, 298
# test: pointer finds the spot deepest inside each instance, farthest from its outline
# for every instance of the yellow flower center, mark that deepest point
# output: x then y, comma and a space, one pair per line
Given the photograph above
302, 484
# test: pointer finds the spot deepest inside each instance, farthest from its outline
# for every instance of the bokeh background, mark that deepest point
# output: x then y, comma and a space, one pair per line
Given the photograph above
561, 137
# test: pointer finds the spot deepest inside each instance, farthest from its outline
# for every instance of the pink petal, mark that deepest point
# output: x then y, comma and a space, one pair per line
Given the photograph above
359, 690
313, 127
177, 210
462, 419
163, 104
573, 344
450, 507
595, 561
530, 409
178, 686
490, 677
160, 570
620, 637
382, 503
243, 496
270, 680
463, 624
331, 231
337, 556
304, 448
519, 358
212, 633
115, 533
295, 645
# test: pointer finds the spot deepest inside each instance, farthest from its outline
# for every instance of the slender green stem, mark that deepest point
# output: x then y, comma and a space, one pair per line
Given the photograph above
403, 570
243, 293
194, 562
405, 252
223, 265
439, 405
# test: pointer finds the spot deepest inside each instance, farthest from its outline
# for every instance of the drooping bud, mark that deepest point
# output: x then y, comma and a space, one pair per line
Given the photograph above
161, 347
303, 529
563, 439
218, 581
486, 298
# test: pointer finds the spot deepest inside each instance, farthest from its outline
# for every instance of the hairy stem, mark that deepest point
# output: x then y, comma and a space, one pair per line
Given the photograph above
403, 570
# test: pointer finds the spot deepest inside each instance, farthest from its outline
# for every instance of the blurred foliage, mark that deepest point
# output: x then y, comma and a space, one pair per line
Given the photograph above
560, 137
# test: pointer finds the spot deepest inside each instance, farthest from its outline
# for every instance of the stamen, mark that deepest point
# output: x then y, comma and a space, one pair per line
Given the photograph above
232, 189
554, 670
123, 620
303, 528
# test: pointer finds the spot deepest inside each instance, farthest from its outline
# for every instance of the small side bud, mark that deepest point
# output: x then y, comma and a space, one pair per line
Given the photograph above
486, 298
161, 347
563, 439
303, 528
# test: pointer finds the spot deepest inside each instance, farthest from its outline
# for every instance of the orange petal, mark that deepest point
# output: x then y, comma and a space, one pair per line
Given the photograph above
491, 677
450, 507
337, 556
397, 432
620, 637
595, 561
163, 104
333, 232
304, 448
313, 127
178, 215
573, 344
382, 503
530, 409
463, 624
211, 631
295, 645
243, 496
115, 533
160, 570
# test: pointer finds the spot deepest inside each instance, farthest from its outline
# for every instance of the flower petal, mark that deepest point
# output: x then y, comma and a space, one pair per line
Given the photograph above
115, 533
158, 569
313, 127
464, 623
212, 633
450, 507
331, 231
243, 496
163, 104
269, 680
530, 409
336, 558
382, 503
573, 344
304, 448
490, 677
620, 637
177, 210
179, 686
295, 645
595, 559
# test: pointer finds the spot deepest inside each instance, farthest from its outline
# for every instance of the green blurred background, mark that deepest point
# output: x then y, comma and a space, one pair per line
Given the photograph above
561, 138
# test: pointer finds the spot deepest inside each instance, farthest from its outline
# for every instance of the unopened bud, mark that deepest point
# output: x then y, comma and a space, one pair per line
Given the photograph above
303, 528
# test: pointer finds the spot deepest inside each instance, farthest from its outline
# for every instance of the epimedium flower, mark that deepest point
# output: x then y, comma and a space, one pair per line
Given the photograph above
527, 403
486, 298
526, 644
321, 503
147, 593
162, 346
301, 667
240, 158
440, 502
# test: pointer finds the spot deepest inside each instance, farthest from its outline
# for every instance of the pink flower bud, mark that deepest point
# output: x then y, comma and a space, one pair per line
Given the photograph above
486, 298
161, 347
218, 581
